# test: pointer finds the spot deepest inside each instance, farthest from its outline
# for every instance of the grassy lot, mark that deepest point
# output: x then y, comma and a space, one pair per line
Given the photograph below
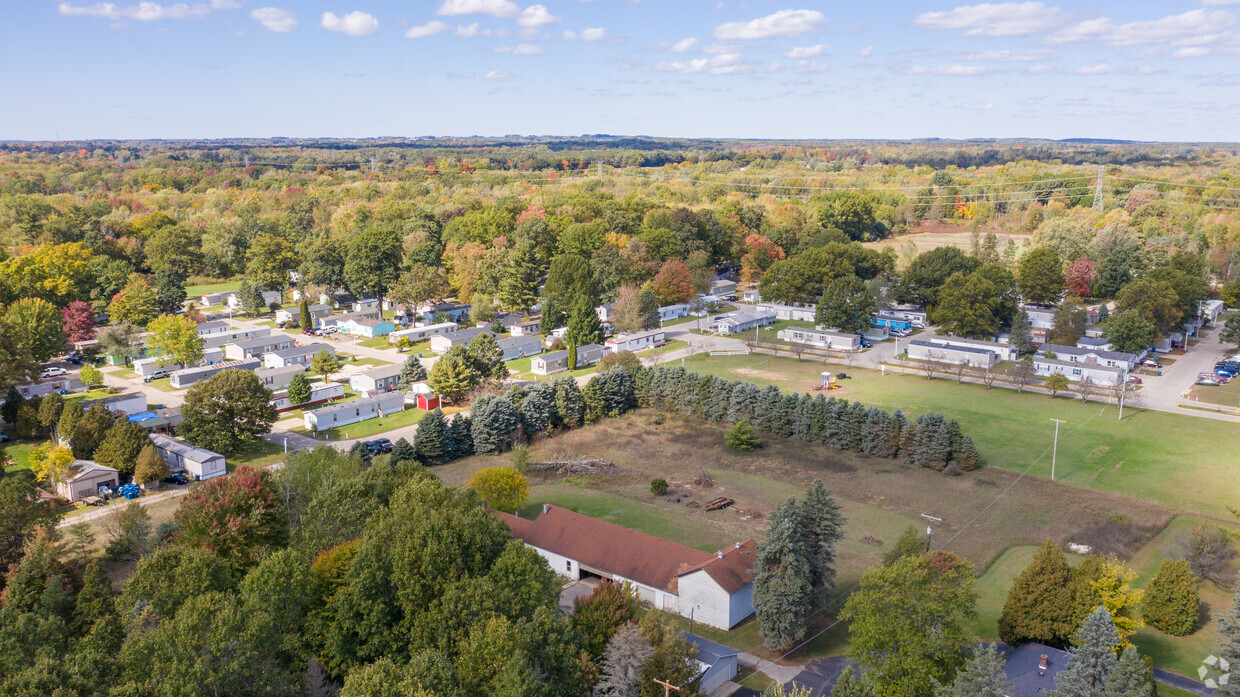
377, 342
196, 291
1224, 395
260, 453
365, 361
19, 453
88, 395
1144, 456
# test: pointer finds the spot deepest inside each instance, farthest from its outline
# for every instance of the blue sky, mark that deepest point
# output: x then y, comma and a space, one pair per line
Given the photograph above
693, 68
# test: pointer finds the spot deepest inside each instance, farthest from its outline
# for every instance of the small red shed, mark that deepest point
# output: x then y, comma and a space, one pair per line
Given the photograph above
428, 401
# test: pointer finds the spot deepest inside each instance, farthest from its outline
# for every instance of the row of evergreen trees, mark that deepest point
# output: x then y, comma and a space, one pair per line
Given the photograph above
929, 441
499, 422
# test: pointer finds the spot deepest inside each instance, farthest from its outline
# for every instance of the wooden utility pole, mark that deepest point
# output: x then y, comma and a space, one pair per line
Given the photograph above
667, 687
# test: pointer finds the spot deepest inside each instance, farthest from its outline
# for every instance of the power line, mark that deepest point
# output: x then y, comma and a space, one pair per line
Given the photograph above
1164, 183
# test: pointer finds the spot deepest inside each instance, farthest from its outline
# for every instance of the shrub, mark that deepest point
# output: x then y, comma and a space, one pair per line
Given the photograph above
741, 437
1208, 552
658, 486
503, 488
1171, 603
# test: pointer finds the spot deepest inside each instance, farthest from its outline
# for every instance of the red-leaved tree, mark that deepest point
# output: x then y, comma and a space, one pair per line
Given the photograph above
760, 253
674, 283
1080, 277
604, 611
237, 516
79, 321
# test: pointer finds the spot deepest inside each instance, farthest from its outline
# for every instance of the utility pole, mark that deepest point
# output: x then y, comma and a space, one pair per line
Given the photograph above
247, 161
667, 687
372, 164
929, 531
1055, 447
599, 164
1098, 191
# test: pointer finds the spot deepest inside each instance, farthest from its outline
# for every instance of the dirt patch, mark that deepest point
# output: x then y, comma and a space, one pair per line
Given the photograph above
1098, 452
1117, 535
760, 374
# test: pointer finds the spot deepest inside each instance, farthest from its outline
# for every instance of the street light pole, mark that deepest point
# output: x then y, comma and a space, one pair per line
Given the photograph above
1055, 447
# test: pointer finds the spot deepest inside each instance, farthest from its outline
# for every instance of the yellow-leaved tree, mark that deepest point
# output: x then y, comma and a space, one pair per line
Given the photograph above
503, 488
50, 463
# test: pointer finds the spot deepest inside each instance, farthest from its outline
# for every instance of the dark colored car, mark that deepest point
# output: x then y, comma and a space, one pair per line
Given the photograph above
178, 478
865, 344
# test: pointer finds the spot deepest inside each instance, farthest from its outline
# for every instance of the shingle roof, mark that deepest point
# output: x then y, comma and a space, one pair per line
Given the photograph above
1023, 672
182, 448
630, 554
734, 570
308, 349
383, 371
1077, 351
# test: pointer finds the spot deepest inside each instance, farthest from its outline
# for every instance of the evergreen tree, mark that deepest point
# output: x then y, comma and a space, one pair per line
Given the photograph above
1021, 336
461, 437
895, 432
855, 427
538, 408
818, 416
304, 320
69, 418
848, 685
495, 421
361, 453
768, 409
783, 580
518, 288
910, 543
720, 399
569, 405
1093, 658
299, 389
836, 436
1171, 602
431, 438
583, 324
623, 663
412, 371
96, 601
981, 676
1039, 606
403, 451
251, 298
802, 422
908, 443
90, 431
967, 457
1227, 645
453, 375
1131, 677
822, 522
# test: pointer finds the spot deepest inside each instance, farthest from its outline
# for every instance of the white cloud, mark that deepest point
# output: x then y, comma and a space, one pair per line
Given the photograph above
1220, 2
499, 76
683, 45
594, 34
569, 35
145, 11
865, 52
1042, 69
809, 66
806, 51
521, 50
495, 8
422, 31
1099, 69
723, 64
470, 31
960, 70
1192, 52
536, 16
1008, 56
356, 23
782, 23
1192, 28
275, 19
995, 19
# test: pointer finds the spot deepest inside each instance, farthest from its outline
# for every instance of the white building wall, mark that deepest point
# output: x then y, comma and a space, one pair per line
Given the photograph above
705, 600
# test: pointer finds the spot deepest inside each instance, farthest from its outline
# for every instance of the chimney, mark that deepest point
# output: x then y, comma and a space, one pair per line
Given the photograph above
719, 554
1042, 664
546, 508
738, 544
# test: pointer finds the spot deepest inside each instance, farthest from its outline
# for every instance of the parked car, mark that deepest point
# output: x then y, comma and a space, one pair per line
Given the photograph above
898, 332
865, 344
1148, 363
53, 372
176, 478
4, 437
731, 298
1134, 380
1208, 381
1177, 345
156, 375
385, 444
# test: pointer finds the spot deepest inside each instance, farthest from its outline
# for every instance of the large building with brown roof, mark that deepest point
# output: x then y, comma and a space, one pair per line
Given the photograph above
715, 589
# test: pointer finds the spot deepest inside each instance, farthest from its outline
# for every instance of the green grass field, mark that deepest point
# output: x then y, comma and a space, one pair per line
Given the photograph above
1179, 461
198, 290
260, 453
19, 453
1224, 395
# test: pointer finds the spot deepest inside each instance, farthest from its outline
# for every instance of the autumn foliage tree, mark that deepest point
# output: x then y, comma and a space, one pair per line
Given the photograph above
238, 517
604, 611
79, 321
760, 253
674, 283
1080, 277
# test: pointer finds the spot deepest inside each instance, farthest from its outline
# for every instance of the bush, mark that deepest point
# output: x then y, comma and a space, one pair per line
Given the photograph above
658, 486
1171, 602
1208, 551
741, 437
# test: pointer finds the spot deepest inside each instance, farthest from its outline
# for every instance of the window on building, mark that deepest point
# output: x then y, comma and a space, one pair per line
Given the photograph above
568, 565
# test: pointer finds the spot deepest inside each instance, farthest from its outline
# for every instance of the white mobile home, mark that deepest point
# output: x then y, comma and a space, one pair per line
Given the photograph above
416, 334
218, 326
65, 384
440, 343
254, 348
515, 347
320, 392
189, 376
919, 350
796, 313
820, 337
128, 404
1076, 354
671, 312
1005, 352
736, 322
293, 314
381, 379
200, 463
296, 355
650, 338
557, 361
231, 335
357, 410
278, 378
269, 297
1106, 376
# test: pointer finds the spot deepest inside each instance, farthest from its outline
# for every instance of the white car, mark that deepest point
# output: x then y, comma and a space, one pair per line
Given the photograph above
53, 372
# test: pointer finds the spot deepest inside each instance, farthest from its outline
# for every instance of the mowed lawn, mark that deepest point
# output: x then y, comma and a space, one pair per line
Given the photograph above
1180, 461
